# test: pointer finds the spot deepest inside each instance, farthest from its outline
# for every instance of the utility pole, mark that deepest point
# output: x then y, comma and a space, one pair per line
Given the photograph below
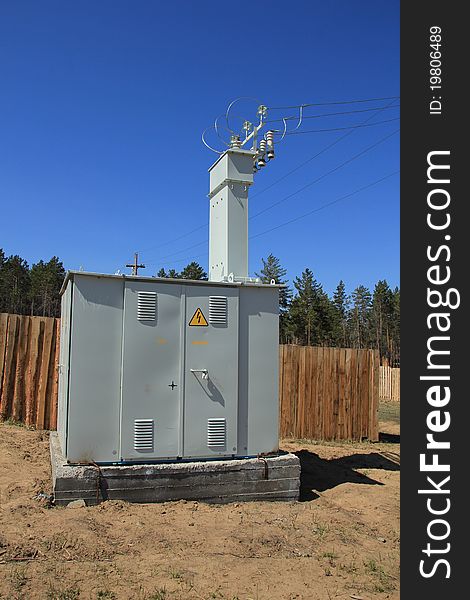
135, 265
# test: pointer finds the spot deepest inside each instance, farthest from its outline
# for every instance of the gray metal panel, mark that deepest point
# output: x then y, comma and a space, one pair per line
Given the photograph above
151, 386
218, 236
234, 165
228, 233
64, 364
209, 401
258, 411
237, 232
95, 369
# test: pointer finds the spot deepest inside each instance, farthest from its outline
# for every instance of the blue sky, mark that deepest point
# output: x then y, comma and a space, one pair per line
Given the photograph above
102, 106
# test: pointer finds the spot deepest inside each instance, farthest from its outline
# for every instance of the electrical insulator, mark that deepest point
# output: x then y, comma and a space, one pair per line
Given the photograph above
235, 141
270, 144
262, 152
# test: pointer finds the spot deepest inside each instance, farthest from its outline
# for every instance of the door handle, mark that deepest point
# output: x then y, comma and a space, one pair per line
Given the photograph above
205, 372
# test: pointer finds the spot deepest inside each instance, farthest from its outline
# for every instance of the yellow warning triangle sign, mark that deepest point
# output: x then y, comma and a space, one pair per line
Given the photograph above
198, 319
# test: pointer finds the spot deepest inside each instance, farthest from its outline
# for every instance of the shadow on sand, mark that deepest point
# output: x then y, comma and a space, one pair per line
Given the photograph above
319, 474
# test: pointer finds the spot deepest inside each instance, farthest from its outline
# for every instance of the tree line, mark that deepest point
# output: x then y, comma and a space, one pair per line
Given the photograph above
34, 290
363, 319
308, 315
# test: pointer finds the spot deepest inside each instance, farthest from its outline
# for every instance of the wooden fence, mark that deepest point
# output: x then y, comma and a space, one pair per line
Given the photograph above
29, 354
325, 393
389, 387
329, 393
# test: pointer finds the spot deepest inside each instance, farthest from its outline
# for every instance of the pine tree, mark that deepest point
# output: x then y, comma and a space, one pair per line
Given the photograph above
381, 317
272, 270
46, 281
394, 349
3, 306
341, 303
193, 271
359, 317
311, 311
14, 285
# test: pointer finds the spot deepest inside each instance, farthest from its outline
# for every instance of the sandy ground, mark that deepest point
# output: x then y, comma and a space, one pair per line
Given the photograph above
340, 541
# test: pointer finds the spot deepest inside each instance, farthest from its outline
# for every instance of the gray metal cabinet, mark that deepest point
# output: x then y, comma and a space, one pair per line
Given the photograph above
154, 369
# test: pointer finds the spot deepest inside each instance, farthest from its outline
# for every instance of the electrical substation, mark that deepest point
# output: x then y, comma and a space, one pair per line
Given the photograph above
168, 388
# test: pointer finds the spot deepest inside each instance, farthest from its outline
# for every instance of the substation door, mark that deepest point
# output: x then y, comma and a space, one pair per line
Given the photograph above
151, 374
211, 371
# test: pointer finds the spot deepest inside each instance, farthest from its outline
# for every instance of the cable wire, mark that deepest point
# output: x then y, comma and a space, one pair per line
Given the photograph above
333, 103
183, 250
174, 239
343, 164
311, 212
343, 128
180, 260
342, 137
340, 166
334, 114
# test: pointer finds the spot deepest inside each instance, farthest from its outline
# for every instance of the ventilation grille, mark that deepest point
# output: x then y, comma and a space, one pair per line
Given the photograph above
216, 433
147, 306
218, 310
143, 435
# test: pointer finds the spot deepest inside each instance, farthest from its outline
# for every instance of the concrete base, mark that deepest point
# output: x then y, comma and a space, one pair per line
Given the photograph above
218, 481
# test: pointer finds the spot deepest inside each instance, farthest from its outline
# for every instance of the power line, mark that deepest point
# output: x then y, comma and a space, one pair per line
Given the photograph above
174, 239
311, 212
343, 164
333, 114
183, 250
342, 128
180, 260
342, 137
349, 132
332, 103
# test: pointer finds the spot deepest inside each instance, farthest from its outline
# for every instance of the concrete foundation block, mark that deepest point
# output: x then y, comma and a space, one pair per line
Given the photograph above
217, 481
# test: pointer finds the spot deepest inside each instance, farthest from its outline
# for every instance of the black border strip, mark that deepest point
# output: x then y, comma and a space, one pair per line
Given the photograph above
423, 132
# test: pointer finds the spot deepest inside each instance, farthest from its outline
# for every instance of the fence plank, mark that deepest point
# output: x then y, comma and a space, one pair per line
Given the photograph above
32, 371
308, 415
315, 429
18, 385
389, 384
3, 344
302, 414
9, 366
327, 412
51, 404
44, 373
374, 417
342, 398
